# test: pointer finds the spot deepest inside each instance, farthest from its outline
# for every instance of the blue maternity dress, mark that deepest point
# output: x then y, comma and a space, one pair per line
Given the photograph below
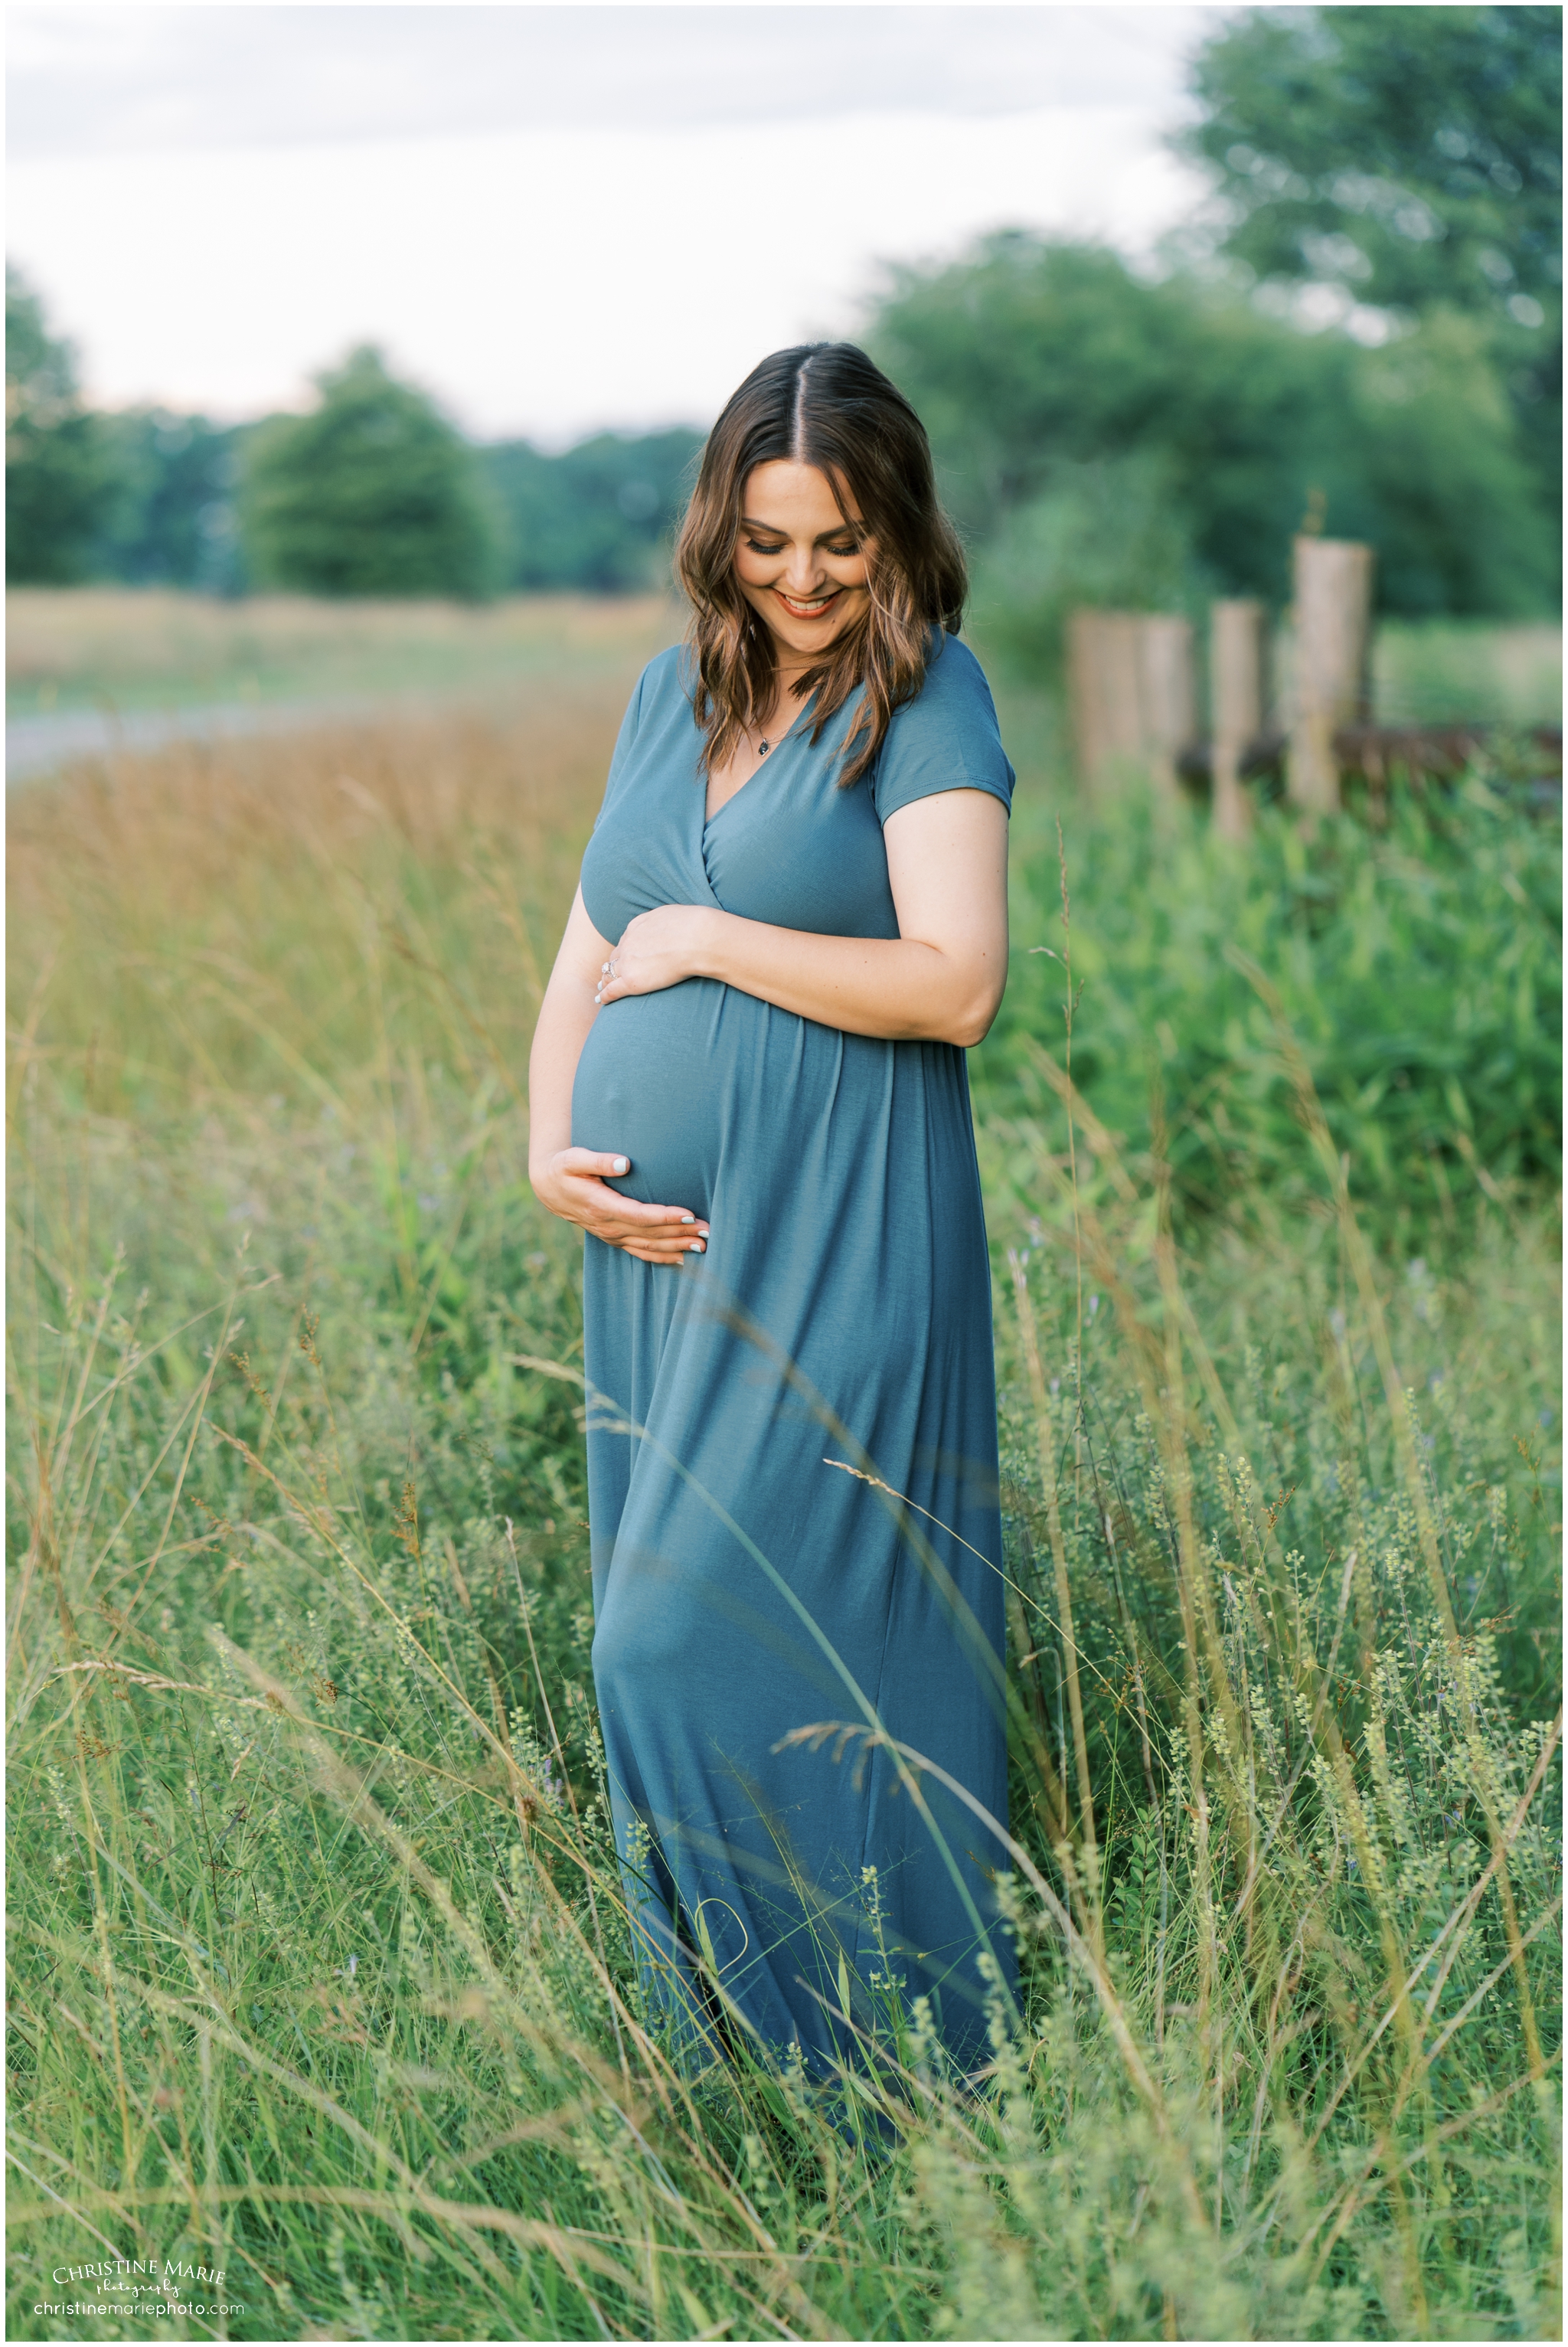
745, 1586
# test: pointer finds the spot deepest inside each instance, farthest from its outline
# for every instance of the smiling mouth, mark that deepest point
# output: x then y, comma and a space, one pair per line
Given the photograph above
813, 610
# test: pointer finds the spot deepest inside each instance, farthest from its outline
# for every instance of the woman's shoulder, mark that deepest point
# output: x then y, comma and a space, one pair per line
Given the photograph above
953, 696
655, 697
952, 671
664, 681
947, 737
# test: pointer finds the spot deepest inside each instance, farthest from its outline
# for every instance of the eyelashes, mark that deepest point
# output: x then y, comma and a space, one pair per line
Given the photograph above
839, 553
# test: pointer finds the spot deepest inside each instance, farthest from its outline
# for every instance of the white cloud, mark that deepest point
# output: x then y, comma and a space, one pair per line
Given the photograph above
86, 80
554, 278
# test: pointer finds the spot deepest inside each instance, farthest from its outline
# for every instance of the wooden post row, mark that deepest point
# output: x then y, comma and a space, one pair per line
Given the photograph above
1133, 698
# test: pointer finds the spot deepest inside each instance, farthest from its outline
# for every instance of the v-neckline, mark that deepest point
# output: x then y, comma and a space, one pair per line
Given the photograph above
788, 735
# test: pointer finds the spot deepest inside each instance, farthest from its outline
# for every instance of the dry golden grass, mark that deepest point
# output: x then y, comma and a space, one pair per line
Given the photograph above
159, 901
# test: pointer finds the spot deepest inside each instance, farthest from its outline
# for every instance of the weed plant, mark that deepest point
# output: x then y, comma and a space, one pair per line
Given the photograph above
1417, 966
320, 1976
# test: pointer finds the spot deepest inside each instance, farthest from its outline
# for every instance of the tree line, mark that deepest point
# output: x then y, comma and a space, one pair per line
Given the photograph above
371, 492
1361, 332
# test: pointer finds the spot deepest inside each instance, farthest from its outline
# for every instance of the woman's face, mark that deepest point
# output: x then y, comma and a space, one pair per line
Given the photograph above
799, 563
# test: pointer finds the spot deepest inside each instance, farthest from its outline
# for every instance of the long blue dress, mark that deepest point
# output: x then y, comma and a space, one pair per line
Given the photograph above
744, 1586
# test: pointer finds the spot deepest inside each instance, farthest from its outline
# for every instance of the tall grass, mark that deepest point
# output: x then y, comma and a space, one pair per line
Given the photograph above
320, 1977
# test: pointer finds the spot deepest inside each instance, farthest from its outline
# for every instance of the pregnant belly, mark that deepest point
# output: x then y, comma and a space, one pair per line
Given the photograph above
654, 1082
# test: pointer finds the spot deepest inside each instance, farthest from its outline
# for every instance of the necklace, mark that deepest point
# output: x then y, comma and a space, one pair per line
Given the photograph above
764, 745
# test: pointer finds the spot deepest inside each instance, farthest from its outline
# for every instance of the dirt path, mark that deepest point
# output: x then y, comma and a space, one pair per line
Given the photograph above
38, 746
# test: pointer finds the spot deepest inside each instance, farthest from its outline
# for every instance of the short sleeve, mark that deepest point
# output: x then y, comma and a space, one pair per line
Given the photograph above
645, 683
945, 739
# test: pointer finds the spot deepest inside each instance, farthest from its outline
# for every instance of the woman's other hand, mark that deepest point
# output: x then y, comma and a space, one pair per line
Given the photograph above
658, 950
575, 1185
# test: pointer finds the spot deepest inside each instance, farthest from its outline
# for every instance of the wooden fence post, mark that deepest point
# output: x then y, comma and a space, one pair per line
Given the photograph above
1170, 711
1103, 692
1332, 644
1131, 694
1236, 708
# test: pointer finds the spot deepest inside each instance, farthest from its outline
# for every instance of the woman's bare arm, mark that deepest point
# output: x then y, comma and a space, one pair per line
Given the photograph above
574, 1182
939, 980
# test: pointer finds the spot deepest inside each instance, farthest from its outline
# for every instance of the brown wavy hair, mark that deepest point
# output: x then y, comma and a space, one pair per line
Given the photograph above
822, 403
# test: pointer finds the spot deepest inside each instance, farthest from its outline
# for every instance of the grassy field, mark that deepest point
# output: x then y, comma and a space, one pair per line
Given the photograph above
90, 647
319, 1975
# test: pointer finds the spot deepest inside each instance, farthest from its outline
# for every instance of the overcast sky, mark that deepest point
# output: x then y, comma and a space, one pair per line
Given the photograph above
558, 218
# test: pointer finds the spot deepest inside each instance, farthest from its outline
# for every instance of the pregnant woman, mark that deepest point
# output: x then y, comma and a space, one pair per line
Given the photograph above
748, 1086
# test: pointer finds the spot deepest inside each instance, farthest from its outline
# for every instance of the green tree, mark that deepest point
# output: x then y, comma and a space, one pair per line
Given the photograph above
1059, 389
55, 466
169, 519
594, 517
1411, 159
372, 493
1111, 532
1028, 356
1413, 155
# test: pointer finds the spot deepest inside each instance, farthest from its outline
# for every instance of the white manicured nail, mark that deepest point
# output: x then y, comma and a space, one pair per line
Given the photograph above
623, 1165
698, 1247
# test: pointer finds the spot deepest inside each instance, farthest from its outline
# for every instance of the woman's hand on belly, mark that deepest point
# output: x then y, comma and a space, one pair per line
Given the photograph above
658, 950
573, 1183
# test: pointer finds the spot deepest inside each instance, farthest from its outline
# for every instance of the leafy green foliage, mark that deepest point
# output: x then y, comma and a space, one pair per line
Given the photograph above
1410, 159
54, 457
1030, 362
1107, 439
595, 517
1413, 155
1420, 971
1110, 533
168, 519
372, 493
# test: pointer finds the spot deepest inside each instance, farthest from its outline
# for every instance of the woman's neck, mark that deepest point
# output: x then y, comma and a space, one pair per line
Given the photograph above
789, 671
784, 707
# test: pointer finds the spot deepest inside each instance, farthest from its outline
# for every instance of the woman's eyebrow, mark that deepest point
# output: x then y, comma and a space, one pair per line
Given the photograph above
772, 530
